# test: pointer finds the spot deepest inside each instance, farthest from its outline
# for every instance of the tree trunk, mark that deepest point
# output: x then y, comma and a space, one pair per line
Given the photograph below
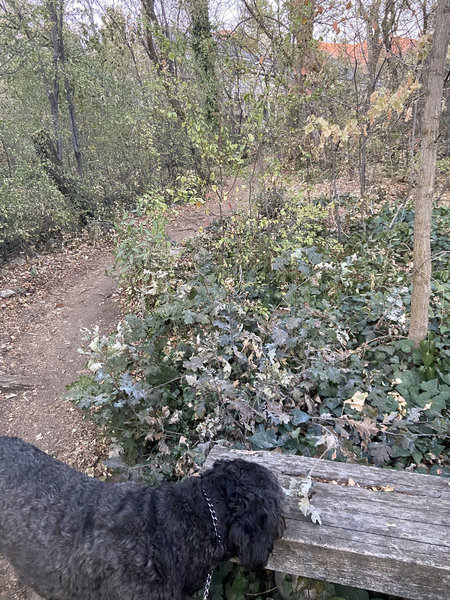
52, 88
55, 10
421, 279
371, 16
149, 18
167, 79
301, 13
203, 47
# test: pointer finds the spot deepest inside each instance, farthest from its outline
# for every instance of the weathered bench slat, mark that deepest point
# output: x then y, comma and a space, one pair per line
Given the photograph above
363, 514
396, 542
397, 577
351, 541
299, 466
351, 499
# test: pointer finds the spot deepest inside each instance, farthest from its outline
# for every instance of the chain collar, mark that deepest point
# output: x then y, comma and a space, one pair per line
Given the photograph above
207, 586
213, 514
214, 520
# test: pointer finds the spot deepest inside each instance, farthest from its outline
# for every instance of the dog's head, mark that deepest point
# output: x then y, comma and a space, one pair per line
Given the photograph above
254, 508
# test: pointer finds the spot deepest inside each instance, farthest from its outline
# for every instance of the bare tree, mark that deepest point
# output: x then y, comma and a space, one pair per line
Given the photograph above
371, 17
55, 10
421, 279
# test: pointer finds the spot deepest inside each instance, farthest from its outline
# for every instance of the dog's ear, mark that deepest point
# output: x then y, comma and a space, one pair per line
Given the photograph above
257, 523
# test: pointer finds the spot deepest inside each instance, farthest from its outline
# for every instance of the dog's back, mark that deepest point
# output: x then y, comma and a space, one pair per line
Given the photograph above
43, 504
71, 537
22, 464
31, 481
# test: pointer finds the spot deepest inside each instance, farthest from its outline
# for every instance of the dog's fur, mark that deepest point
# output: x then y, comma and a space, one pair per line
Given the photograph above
71, 537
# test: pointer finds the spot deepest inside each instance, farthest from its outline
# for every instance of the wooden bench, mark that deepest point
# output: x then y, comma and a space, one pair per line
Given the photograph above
382, 530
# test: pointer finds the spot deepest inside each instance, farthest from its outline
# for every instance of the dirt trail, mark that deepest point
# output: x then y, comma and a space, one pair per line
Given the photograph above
40, 333
41, 358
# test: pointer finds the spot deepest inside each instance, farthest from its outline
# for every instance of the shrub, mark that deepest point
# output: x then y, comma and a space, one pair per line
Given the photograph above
31, 210
275, 345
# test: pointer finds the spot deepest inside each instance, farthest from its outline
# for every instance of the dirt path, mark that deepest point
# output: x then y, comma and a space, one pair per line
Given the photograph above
42, 358
41, 328
39, 358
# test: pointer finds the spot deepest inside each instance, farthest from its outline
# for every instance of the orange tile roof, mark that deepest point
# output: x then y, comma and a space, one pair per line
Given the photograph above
358, 52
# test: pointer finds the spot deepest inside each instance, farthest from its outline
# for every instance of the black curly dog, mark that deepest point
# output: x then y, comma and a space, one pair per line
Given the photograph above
71, 537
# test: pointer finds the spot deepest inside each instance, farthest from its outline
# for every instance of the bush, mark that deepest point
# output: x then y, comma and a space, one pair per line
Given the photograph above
31, 210
274, 345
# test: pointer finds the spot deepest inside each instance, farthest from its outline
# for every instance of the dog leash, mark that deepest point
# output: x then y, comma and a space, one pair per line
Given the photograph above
214, 520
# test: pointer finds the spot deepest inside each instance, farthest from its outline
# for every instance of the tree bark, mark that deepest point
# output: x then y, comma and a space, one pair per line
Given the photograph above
56, 10
148, 12
203, 47
52, 88
421, 279
371, 16
301, 13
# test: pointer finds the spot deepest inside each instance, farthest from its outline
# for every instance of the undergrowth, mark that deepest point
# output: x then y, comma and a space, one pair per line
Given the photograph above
267, 333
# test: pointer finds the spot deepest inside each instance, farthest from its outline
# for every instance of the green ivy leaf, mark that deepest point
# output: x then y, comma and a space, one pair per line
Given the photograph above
264, 439
430, 386
298, 416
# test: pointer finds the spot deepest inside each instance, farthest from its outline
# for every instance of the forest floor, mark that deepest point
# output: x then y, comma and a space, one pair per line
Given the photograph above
58, 297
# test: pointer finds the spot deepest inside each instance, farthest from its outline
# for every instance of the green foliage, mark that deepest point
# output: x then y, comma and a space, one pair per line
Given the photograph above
272, 346
277, 248
31, 210
265, 332
237, 583
188, 189
132, 126
142, 255
350, 593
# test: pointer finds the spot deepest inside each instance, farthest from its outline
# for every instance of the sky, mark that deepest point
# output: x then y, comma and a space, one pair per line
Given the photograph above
224, 14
